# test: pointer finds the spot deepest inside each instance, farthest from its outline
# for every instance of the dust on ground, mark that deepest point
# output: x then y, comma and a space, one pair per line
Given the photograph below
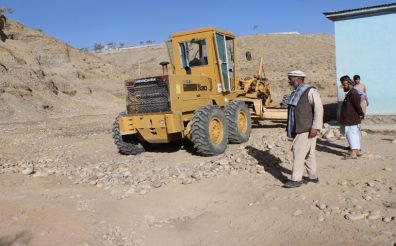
63, 182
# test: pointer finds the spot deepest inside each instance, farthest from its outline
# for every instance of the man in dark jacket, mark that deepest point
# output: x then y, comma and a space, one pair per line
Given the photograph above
351, 116
305, 120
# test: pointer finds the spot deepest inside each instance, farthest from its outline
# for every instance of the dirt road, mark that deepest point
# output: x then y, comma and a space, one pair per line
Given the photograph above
63, 183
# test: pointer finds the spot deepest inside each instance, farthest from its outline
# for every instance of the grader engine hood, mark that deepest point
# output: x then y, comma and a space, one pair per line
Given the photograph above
148, 95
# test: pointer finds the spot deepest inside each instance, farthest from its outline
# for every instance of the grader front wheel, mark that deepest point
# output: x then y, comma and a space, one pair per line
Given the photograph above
209, 130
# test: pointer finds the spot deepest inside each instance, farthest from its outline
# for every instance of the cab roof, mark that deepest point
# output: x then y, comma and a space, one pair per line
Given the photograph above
200, 30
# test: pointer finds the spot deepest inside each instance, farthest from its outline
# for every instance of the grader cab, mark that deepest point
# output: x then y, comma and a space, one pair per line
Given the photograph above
199, 97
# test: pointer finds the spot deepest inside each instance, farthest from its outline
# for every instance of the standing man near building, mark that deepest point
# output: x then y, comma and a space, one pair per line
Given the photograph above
361, 87
351, 116
305, 120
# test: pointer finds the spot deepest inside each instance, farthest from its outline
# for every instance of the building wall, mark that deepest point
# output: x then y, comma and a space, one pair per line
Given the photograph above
367, 46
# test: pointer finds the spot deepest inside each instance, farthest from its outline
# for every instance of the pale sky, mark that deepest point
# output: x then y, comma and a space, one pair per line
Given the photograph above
81, 23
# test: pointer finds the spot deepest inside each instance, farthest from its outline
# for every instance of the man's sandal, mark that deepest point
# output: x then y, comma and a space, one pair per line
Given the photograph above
348, 157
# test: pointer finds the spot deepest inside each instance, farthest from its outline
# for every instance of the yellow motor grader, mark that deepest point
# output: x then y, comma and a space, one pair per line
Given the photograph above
198, 97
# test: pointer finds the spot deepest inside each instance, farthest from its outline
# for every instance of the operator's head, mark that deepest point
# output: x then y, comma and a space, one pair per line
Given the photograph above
346, 83
296, 78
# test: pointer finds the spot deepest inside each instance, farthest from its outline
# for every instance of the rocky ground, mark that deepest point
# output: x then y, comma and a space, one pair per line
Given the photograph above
62, 181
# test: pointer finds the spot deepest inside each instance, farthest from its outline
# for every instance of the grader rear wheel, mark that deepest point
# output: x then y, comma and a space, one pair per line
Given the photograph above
239, 122
209, 131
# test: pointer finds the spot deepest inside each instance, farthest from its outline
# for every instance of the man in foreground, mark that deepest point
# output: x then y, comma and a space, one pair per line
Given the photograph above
305, 120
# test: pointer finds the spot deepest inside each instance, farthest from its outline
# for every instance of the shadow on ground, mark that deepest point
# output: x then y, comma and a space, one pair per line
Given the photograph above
270, 163
331, 148
21, 238
172, 147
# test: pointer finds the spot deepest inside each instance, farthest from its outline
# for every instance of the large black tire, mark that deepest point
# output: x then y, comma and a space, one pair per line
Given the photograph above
239, 122
126, 144
209, 130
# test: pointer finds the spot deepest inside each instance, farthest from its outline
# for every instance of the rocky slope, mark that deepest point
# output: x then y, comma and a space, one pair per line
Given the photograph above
43, 77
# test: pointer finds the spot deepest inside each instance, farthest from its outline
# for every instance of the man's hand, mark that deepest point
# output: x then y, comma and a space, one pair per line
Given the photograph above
312, 133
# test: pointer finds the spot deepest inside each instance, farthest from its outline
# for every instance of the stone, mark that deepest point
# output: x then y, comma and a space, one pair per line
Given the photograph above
143, 192
131, 190
187, 181
387, 169
197, 175
364, 134
393, 141
156, 183
142, 178
297, 212
329, 134
354, 217
374, 217
40, 174
321, 218
260, 170
358, 207
28, 171
367, 197
335, 209
224, 162
387, 219
321, 206
233, 172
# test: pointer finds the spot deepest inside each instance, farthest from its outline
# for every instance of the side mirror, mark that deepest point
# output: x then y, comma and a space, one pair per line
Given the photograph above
164, 63
248, 56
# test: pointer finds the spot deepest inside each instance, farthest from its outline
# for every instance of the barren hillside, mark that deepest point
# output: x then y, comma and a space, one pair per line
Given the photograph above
314, 54
41, 76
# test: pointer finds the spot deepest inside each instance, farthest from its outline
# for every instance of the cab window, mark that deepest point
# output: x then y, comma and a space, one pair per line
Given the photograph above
193, 53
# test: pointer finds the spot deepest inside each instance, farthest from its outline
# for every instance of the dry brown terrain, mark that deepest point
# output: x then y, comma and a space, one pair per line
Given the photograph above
62, 181
42, 77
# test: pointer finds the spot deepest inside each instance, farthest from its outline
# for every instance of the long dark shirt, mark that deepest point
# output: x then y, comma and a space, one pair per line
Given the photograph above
351, 109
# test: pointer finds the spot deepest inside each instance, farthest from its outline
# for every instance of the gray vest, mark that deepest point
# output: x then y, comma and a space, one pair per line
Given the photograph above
304, 113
